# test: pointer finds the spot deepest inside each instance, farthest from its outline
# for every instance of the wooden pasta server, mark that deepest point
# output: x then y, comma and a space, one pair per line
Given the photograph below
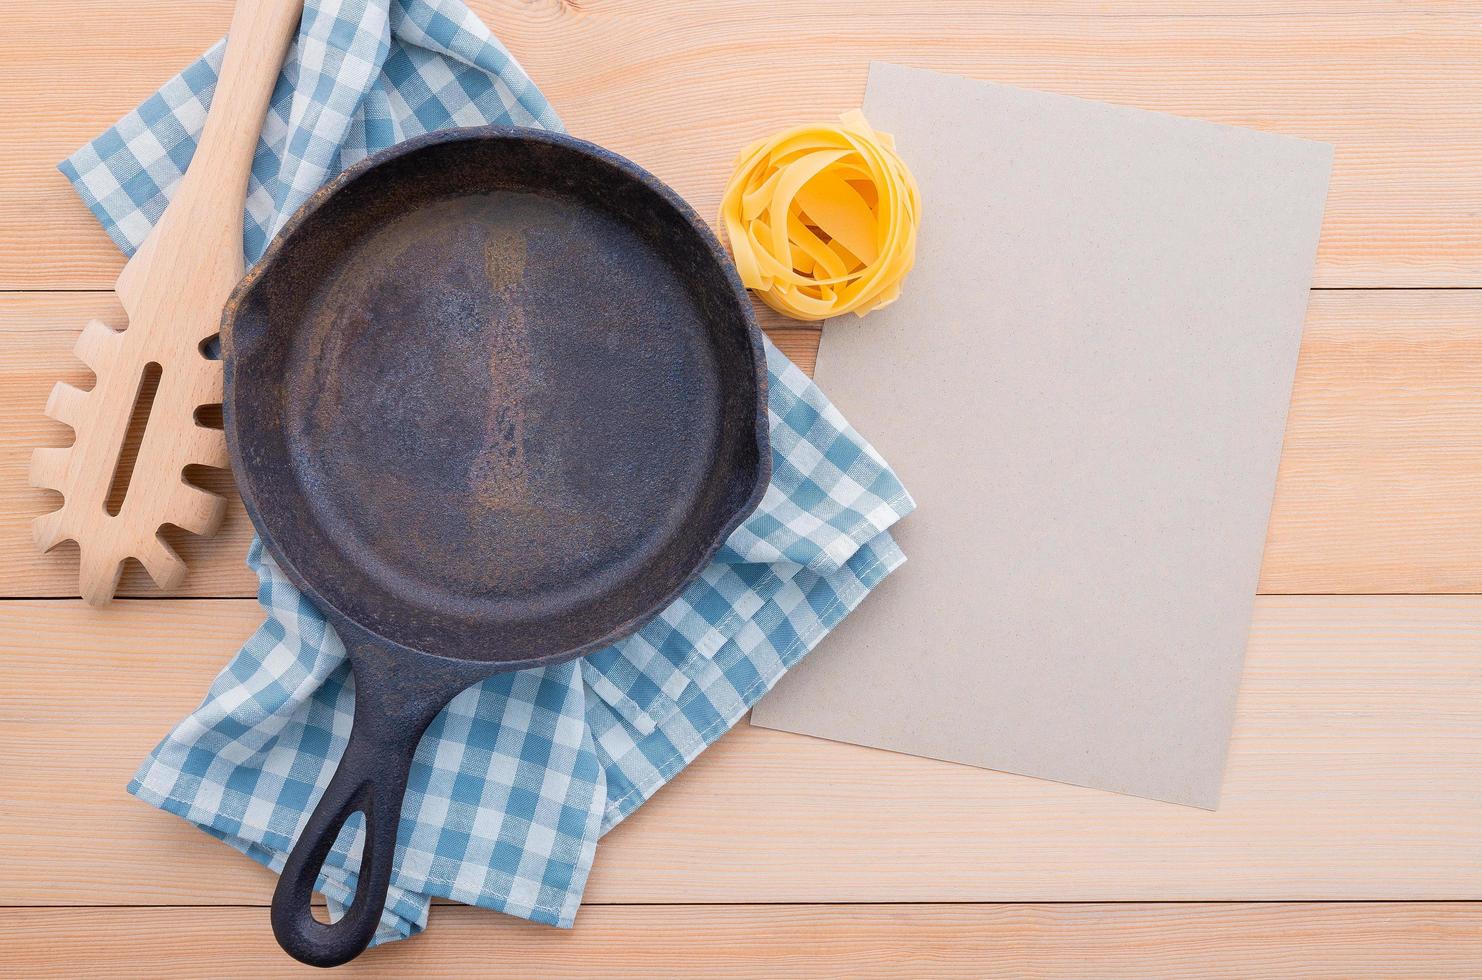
173, 290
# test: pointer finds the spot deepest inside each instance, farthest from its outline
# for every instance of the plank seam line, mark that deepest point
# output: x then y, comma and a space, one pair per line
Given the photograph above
845, 904
253, 598
84, 290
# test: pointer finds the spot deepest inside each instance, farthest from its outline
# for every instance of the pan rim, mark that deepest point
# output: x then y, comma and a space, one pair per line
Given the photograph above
271, 257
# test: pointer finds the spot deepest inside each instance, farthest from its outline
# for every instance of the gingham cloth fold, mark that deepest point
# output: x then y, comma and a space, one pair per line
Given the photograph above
515, 782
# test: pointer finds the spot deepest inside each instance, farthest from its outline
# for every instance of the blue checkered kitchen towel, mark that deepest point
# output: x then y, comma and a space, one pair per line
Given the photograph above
515, 782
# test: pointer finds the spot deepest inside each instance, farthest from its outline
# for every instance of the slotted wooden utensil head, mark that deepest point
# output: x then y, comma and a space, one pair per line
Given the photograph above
173, 291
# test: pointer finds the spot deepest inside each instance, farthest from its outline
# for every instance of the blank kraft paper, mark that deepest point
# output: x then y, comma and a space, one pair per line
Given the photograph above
1084, 385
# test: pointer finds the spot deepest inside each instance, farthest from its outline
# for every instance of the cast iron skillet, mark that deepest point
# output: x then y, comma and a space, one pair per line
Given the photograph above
494, 397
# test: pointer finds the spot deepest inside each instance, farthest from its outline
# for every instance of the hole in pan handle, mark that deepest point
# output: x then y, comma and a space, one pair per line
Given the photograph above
371, 779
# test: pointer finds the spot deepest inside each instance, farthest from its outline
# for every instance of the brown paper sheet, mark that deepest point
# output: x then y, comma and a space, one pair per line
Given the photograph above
1084, 386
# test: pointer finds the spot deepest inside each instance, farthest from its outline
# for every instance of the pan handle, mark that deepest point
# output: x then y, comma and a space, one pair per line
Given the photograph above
390, 717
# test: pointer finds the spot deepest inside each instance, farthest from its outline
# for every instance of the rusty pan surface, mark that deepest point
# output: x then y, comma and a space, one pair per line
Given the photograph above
494, 398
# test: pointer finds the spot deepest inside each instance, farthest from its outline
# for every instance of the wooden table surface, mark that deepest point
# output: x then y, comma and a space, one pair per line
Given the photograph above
1349, 842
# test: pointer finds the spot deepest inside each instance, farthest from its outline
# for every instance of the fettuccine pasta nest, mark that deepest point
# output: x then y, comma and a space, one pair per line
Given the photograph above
822, 219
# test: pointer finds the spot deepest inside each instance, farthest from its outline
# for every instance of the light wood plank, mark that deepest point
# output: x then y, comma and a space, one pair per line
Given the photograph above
681, 87
1380, 488
1355, 773
1276, 941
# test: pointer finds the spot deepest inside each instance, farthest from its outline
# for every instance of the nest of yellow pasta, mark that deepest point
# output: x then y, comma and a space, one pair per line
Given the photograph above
822, 219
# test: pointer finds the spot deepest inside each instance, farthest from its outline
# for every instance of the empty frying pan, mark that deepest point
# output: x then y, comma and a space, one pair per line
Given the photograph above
494, 397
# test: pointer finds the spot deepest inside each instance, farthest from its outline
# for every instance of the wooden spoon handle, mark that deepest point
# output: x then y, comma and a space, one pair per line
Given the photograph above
205, 212
257, 43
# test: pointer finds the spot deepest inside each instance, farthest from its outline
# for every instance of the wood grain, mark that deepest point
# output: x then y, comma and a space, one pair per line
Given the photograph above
1276, 941
1380, 488
680, 87
1355, 773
